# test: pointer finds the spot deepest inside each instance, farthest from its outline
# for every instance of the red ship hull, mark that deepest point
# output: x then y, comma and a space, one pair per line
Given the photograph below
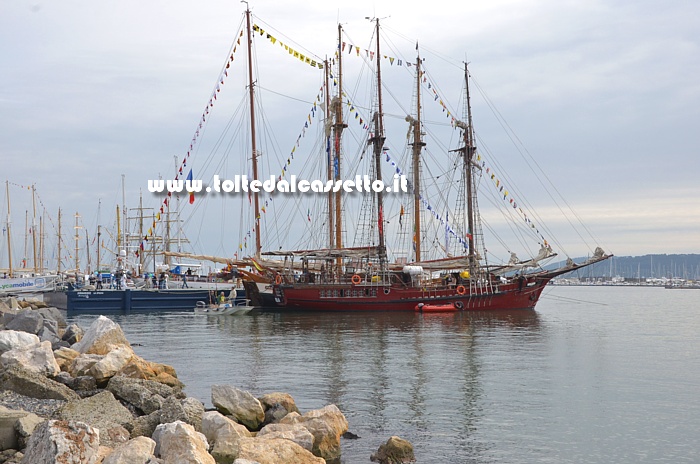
378, 297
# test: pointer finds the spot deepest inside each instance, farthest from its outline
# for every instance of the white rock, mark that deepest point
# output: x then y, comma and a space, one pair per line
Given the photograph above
240, 404
224, 435
36, 358
111, 363
83, 363
11, 339
102, 337
327, 425
136, 451
294, 432
62, 442
179, 443
275, 451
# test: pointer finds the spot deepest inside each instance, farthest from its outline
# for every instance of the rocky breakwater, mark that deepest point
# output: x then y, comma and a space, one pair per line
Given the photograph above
74, 396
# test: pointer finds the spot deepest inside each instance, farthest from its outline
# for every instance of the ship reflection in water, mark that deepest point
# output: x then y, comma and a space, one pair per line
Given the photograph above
405, 373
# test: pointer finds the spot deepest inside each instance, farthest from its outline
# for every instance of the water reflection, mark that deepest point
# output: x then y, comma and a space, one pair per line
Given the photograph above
417, 375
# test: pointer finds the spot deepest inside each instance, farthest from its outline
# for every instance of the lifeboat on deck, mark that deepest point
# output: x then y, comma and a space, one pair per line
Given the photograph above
436, 308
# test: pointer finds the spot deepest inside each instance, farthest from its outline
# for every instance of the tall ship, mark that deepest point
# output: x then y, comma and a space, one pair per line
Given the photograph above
375, 251
363, 277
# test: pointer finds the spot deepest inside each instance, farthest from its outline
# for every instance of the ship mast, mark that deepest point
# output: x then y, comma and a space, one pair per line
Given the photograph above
34, 228
119, 231
337, 133
9, 235
58, 261
378, 142
418, 144
468, 152
77, 249
256, 201
124, 212
99, 245
329, 156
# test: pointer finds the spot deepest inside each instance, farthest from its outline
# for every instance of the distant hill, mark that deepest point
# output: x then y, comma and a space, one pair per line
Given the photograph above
685, 266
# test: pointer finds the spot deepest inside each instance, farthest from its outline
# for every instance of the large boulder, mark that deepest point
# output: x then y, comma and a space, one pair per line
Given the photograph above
8, 431
284, 399
103, 412
51, 314
146, 395
73, 334
326, 425
64, 357
213, 423
34, 358
395, 451
50, 329
101, 337
144, 426
11, 339
275, 451
113, 362
83, 363
25, 427
180, 443
64, 442
27, 383
223, 434
239, 404
136, 451
294, 432
276, 406
84, 383
27, 321
187, 410
139, 368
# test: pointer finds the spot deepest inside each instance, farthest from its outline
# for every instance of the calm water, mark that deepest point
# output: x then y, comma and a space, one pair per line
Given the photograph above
594, 375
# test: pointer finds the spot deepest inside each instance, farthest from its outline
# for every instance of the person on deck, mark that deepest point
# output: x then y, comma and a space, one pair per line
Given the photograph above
222, 298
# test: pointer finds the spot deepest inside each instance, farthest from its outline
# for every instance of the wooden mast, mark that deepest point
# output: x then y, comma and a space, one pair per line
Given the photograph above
329, 156
9, 235
339, 126
417, 147
468, 152
378, 142
256, 201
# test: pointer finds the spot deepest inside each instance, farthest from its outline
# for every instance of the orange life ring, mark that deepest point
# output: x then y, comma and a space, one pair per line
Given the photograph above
356, 279
461, 290
278, 279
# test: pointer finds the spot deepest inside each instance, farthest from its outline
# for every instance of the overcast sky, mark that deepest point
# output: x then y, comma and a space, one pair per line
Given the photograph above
604, 94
